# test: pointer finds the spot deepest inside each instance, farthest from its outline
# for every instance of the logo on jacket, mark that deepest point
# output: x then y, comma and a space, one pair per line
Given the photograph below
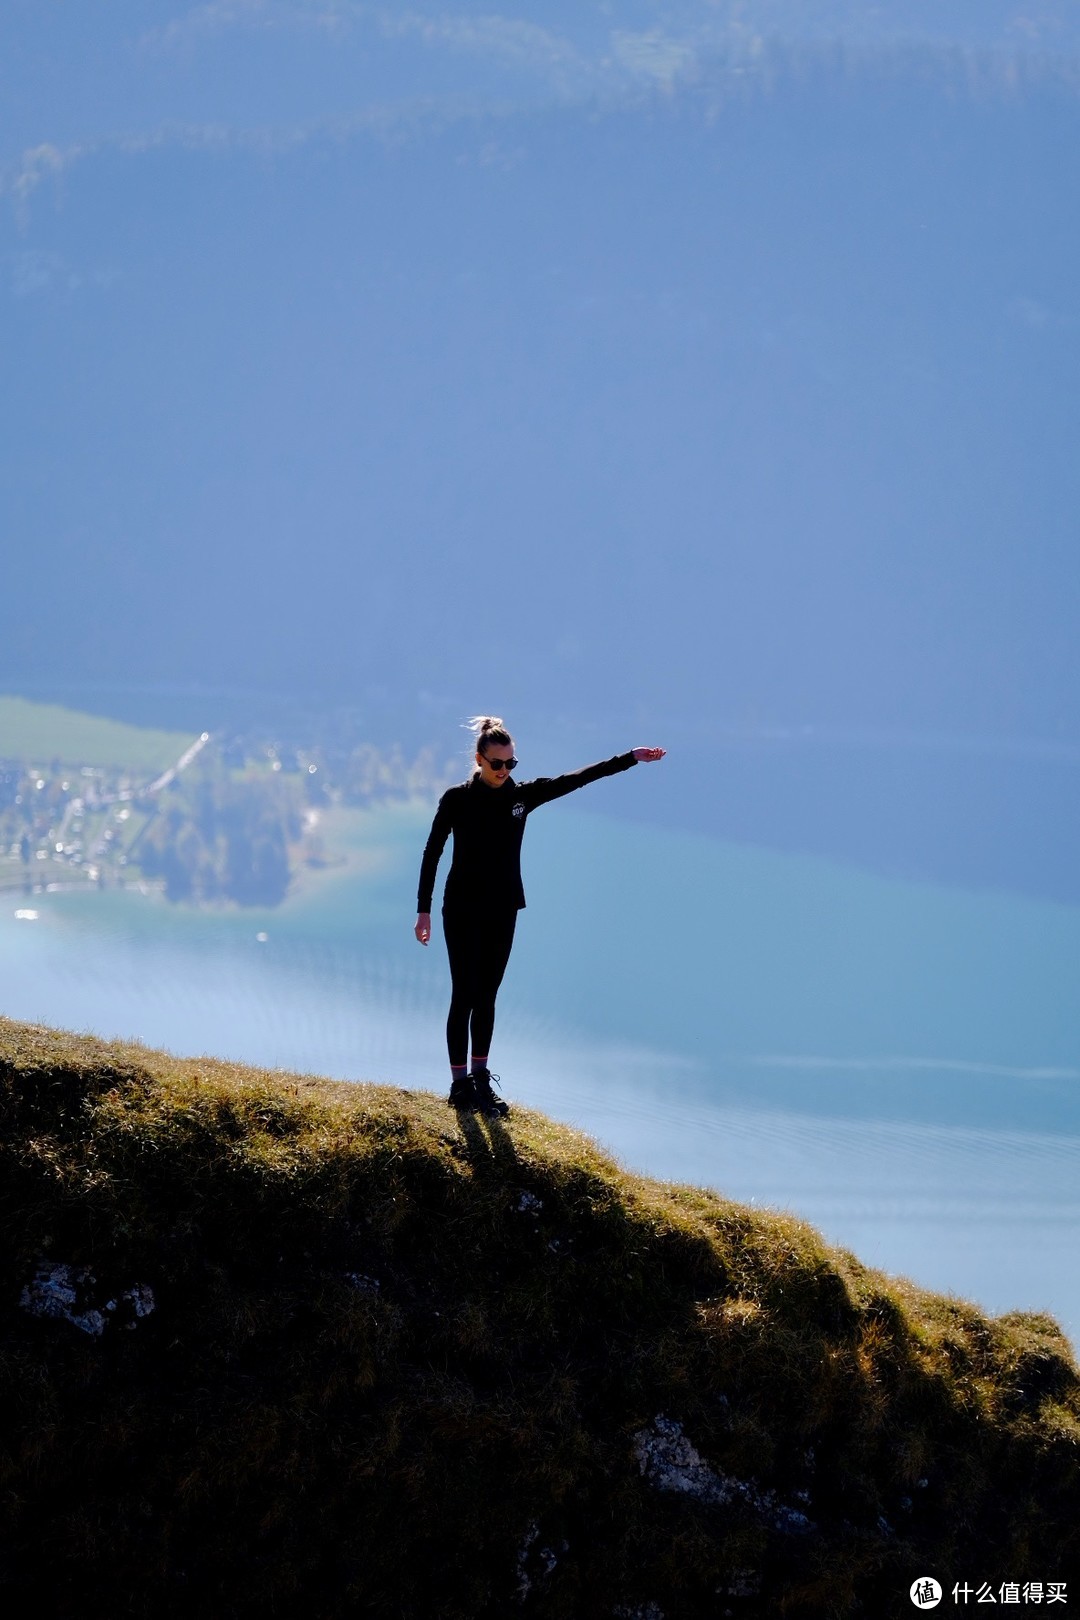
519, 809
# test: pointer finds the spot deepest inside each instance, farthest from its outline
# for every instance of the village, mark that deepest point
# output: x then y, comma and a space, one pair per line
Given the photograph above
231, 820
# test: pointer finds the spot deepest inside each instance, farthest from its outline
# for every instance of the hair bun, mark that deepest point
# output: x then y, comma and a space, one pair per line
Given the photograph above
488, 727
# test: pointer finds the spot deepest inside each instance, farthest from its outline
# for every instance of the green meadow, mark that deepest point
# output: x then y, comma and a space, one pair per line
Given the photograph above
40, 732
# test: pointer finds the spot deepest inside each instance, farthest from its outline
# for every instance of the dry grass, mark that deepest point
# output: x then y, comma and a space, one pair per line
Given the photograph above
398, 1361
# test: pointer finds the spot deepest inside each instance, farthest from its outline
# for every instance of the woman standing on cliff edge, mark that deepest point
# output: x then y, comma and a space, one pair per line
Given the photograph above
483, 892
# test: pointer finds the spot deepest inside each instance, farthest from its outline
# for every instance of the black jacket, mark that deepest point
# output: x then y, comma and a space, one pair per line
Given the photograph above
488, 824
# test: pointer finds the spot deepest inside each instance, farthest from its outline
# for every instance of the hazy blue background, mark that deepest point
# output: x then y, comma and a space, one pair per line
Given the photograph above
699, 371
702, 374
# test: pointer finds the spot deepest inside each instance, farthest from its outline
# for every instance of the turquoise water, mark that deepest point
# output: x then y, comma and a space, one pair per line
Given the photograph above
898, 1064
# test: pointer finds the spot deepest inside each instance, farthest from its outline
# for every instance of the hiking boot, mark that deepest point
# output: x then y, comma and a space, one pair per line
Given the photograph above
463, 1092
486, 1100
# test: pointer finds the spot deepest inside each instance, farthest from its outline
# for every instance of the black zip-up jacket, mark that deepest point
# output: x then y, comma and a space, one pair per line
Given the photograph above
488, 824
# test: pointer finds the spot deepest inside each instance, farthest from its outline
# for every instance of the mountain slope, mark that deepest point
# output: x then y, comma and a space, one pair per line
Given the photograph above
278, 1345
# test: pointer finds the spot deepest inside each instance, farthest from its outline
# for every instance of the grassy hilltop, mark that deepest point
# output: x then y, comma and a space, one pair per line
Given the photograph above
277, 1346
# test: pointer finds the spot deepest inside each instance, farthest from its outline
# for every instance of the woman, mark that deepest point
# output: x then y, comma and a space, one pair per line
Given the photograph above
483, 892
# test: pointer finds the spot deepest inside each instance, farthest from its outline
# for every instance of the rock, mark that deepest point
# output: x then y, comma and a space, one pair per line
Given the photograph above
541, 1559
742, 1583
140, 1298
524, 1583
670, 1462
64, 1292
362, 1283
69, 1294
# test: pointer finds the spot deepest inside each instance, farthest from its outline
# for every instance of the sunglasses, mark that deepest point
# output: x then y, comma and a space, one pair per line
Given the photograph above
500, 764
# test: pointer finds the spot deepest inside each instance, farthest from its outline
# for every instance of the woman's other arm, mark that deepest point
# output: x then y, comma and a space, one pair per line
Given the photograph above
429, 865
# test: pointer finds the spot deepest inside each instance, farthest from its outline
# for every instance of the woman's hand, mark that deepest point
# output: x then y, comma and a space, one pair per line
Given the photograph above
643, 754
423, 927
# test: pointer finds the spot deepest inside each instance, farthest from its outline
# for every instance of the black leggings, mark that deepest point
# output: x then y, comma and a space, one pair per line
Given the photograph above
478, 946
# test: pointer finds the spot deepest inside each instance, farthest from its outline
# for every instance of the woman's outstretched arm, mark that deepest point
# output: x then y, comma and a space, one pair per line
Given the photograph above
545, 788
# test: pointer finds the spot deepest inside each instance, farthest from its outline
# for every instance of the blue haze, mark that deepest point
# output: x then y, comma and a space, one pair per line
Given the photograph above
708, 370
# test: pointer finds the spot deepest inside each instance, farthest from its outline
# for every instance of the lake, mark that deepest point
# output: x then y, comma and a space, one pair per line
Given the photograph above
895, 1062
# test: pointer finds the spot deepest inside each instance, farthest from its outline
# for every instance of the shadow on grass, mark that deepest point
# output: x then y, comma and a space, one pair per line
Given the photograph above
488, 1144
